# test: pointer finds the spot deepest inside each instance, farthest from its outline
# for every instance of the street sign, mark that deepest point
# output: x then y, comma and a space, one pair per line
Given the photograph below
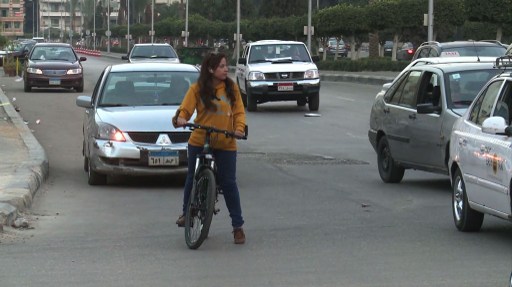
183, 33
87, 32
306, 30
108, 33
152, 33
94, 34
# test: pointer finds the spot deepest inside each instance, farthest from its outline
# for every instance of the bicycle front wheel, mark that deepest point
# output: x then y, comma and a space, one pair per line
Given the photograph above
201, 204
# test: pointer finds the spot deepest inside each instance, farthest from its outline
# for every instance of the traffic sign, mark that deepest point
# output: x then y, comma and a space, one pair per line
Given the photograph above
108, 33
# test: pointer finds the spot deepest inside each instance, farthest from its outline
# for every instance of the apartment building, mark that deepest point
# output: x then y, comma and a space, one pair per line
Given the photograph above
12, 16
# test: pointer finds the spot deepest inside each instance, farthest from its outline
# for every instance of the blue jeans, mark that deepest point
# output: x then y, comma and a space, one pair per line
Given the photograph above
226, 176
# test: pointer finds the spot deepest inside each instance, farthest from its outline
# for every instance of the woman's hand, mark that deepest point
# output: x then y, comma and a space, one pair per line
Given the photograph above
178, 122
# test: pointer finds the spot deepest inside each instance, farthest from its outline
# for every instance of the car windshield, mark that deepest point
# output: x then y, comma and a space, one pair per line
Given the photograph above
463, 86
471, 51
147, 88
153, 52
48, 53
279, 53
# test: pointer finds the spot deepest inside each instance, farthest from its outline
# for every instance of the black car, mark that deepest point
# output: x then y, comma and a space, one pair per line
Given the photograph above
388, 48
459, 49
21, 49
51, 65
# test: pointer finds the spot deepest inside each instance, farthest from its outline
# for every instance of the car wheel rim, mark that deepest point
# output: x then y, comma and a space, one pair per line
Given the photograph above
458, 198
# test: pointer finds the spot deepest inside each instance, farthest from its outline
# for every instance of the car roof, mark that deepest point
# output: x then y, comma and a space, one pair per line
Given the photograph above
53, 45
462, 44
153, 66
151, 44
266, 42
449, 67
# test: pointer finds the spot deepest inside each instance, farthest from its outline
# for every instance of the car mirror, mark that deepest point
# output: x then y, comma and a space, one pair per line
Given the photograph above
496, 126
84, 102
124, 57
428, 108
242, 61
83, 59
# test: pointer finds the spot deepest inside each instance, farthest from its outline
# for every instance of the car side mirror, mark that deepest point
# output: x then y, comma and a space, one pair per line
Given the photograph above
124, 57
242, 61
83, 59
496, 126
427, 108
84, 102
315, 59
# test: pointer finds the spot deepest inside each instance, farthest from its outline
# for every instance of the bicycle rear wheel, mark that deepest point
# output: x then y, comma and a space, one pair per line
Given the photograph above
201, 205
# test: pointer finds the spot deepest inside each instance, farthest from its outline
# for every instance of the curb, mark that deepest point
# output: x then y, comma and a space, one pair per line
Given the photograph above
19, 191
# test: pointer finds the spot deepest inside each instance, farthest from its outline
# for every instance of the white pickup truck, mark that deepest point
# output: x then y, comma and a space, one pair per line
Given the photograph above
273, 70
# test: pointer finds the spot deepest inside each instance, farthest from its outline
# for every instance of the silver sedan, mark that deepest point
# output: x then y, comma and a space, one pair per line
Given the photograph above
127, 126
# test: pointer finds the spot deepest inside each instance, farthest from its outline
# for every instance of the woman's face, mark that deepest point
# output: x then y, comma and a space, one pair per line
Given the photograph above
221, 73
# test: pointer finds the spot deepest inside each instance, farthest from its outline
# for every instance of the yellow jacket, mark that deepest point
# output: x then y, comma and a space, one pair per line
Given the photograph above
227, 117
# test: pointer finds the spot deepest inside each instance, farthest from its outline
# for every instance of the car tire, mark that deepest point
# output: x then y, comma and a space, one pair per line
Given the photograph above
314, 102
389, 170
242, 94
301, 102
252, 105
466, 219
95, 178
80, 88
26, 87
86, 164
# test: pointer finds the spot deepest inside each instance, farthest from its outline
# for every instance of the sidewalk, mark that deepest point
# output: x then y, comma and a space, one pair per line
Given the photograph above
24, 165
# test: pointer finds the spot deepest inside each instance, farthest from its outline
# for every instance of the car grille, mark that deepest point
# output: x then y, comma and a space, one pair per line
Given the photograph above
54, 72
151, 137
285, 76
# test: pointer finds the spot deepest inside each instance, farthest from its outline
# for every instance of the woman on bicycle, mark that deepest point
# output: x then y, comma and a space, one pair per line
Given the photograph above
216, 99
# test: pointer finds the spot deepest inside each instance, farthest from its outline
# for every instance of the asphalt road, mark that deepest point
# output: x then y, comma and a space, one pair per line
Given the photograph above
317, 213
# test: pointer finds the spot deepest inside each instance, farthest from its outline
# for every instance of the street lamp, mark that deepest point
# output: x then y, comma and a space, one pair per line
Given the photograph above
152, 20
128, 36
186, 24
108, 26
94, 28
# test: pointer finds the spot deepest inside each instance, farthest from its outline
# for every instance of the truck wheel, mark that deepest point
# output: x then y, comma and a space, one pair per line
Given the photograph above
314, 102
251, 101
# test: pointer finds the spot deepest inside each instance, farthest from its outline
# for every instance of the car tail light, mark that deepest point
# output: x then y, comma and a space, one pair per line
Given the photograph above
410, 51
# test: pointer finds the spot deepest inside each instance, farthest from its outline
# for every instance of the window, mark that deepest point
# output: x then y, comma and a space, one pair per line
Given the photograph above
4, 12
483, 106
408, 98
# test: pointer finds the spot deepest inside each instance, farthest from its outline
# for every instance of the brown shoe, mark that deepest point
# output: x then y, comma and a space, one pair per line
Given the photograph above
239, 235
181, 221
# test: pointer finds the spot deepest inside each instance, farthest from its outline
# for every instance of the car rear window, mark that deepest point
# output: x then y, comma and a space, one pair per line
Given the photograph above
471, 51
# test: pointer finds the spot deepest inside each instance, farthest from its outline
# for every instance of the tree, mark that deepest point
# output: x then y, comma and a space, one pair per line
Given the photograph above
498, 12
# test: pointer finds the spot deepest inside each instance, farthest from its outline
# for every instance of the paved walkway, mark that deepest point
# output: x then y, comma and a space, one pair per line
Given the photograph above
23, 162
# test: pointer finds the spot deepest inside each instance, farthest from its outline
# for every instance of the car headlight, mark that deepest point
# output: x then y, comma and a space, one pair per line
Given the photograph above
311, 74
109, 132
256, 76
74, 71
34, 71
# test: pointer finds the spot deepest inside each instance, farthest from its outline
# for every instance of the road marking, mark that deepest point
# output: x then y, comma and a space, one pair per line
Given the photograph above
346, 99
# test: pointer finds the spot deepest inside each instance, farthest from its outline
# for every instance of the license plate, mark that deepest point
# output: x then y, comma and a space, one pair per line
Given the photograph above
285, 87
163, 158
55, 82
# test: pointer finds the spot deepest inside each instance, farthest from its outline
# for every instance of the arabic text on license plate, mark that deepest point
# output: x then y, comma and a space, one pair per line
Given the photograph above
285, 87
54, 81
160, 158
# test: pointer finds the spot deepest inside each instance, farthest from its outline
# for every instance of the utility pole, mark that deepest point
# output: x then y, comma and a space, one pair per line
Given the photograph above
237, 30
430, 20
309, 25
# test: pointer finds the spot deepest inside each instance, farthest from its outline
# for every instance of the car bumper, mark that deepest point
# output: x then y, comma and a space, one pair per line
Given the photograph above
116, 158
268, 90
67, 81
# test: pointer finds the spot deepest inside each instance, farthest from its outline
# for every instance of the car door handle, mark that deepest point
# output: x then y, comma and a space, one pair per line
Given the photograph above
462, 142
386, 110
412, 116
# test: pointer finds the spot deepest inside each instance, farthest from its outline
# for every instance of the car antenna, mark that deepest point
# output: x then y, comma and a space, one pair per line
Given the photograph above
476, 51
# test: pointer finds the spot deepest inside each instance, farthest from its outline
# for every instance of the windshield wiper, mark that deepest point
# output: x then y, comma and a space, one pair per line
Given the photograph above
113, 105
258, 61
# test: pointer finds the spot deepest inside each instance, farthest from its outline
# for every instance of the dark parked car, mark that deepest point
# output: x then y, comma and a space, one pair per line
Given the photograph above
52, 65
459, 49
388, 48
406, 52
341, 47
21, 49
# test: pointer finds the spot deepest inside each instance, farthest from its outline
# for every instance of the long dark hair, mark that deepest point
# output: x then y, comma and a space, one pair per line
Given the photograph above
205, 81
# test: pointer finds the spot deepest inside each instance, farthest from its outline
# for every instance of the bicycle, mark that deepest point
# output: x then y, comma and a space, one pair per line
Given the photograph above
205, 190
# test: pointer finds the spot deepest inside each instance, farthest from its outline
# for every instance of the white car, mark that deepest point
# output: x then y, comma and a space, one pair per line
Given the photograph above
480, 161
127, 126
273, 70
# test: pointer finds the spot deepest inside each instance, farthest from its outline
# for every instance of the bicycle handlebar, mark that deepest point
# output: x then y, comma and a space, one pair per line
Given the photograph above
210, 129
